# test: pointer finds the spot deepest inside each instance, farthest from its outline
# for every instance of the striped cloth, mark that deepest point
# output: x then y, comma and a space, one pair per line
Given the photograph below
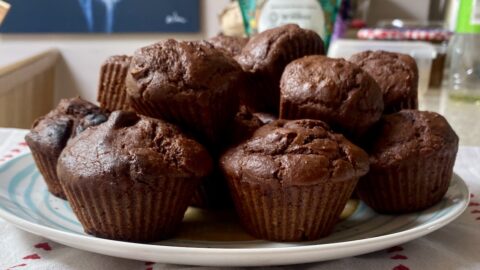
455, 246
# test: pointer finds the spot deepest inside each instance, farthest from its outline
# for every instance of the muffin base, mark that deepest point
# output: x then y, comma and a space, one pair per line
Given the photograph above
295, 213
412, 186
137, 213
47, 165
112, 95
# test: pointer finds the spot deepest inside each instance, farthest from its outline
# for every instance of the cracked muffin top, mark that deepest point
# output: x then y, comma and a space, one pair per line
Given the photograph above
332, 90
409, 134
265, 50
130, 149
396, 74
72, 116
230, 45
173, 69
298, 152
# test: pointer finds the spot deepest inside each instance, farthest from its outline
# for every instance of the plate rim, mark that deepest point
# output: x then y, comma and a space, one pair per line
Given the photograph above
75, 240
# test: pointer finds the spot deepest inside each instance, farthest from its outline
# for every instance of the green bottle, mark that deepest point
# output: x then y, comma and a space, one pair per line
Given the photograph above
464, 74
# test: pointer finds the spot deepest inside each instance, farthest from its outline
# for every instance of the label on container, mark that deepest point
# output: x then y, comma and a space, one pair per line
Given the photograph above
468, 19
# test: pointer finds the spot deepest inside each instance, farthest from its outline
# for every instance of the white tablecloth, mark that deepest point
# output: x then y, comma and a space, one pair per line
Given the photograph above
456, 246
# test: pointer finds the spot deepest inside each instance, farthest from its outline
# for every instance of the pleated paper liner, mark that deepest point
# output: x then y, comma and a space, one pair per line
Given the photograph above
295, 213
47, 165
410, 187
112, 93
223, 225
137, 214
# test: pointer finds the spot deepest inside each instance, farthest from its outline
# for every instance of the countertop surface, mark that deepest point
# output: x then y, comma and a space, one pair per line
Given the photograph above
464, 117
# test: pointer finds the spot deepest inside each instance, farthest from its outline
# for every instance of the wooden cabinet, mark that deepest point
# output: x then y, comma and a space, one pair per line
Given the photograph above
27, 89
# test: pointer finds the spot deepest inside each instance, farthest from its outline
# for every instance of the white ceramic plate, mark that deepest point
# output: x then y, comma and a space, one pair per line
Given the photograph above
215, 239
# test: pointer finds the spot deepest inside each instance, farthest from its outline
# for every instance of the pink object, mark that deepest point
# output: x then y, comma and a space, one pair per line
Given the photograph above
401, 267
33, 256
44, 246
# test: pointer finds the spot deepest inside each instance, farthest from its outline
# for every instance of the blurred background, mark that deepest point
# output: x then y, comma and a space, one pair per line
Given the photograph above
51, 49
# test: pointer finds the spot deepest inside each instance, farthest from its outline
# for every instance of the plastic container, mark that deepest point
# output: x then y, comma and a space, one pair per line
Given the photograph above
432, 32
423, 52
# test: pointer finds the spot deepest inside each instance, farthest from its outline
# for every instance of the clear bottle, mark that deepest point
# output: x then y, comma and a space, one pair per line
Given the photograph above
464, 74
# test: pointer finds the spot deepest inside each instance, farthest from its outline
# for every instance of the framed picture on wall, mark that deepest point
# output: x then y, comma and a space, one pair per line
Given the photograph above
102, 16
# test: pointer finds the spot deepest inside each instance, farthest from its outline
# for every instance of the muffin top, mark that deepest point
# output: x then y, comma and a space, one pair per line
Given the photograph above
230, 45
410, 134
69, 118
343, 94
298, 152
265, 50
132, 149
171, 68
246, 123
395, 73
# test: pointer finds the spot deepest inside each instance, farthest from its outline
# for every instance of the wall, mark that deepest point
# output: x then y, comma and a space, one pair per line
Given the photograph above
413, 10
82, 55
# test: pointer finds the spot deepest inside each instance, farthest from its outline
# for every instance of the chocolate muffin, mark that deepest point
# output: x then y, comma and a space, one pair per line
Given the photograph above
112, 93
187, 83
411, 162
264, 59
213, 193
292, 179
50, 134
332, 90
132, 178
230, 45
396, 74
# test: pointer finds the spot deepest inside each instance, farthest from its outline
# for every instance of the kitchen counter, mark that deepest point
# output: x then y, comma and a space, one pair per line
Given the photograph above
463, 117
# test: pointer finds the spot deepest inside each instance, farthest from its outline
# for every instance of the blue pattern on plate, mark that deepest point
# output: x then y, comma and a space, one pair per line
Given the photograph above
27, 197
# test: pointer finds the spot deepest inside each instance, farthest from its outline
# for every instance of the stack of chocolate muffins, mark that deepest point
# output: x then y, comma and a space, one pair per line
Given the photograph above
268, 123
